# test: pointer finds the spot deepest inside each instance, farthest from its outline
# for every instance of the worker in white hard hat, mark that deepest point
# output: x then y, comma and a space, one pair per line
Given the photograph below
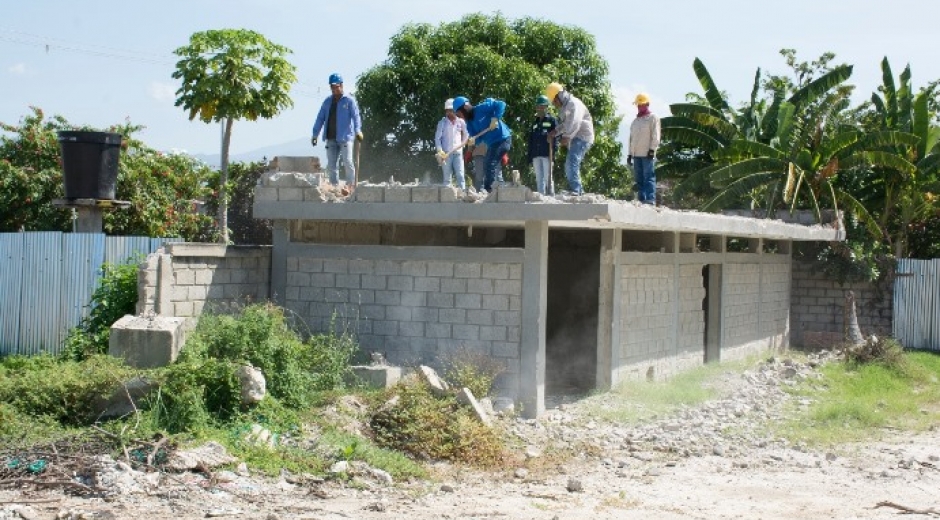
641, 154
449, 140
576, 130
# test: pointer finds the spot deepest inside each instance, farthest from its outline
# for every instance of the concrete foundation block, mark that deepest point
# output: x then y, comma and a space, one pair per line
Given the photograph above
511, 193
377, 376
314, 194
426, 194
397, 194
370, 193
148, 342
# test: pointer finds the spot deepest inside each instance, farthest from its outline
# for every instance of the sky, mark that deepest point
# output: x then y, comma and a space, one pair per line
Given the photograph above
104, 63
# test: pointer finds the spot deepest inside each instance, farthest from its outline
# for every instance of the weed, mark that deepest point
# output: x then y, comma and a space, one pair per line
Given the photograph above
429, 427
471, 369
885, 351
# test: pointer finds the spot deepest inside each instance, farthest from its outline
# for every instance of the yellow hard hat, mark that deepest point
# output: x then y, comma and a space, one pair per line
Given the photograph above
641, 99
552, 90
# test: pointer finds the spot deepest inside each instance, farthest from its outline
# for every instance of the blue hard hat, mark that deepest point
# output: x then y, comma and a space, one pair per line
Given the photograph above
336, 79
459, 102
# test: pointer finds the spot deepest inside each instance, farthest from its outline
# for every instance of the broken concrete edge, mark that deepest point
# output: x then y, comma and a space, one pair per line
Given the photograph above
149, 341
197, 249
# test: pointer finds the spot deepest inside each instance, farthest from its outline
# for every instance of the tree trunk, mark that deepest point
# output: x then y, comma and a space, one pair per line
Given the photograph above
223, 182
853, 333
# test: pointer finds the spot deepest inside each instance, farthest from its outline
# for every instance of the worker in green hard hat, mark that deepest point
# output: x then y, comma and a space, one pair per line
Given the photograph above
542, 148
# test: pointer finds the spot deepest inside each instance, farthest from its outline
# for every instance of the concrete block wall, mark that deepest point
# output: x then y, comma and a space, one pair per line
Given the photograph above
647, 319
413, 305
775, 303
183, 279
817, 308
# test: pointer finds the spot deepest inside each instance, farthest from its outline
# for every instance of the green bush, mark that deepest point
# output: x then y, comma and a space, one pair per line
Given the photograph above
884, 351
115, 296
65, 391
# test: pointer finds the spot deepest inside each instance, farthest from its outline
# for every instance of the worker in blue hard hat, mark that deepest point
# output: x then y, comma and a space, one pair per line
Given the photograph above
484, 123
339, 122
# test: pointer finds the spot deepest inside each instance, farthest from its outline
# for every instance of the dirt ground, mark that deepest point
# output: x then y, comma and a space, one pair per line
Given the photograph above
702, 463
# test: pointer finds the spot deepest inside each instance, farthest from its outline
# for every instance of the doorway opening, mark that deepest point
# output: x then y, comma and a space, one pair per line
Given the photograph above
572, 311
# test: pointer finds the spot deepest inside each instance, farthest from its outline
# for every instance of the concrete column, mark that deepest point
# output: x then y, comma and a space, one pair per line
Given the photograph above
608, 308
280, 237
534, 313
165, 282
90, 219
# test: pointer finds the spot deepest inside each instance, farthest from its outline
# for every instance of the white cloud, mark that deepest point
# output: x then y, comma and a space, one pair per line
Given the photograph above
18, 70
162, 91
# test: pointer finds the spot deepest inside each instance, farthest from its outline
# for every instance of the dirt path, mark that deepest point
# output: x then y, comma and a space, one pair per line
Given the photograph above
707, 462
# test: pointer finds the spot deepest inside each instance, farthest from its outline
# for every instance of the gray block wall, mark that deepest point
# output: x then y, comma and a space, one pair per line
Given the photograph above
414, 305
184, 279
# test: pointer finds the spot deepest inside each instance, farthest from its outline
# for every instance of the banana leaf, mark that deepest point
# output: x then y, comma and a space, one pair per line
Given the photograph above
727, 173
819, 86
741, 187
712, 94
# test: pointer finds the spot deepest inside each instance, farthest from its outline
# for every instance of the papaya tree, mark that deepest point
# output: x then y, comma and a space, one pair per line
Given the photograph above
231, 74
485, 56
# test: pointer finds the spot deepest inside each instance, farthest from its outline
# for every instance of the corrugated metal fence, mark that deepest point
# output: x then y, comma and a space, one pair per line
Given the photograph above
47, 279
917, 304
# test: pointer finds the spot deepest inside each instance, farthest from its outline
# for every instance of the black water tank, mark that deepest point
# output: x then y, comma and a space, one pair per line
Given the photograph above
90, 163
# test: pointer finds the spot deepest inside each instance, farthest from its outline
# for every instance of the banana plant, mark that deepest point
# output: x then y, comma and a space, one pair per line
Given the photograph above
903, 177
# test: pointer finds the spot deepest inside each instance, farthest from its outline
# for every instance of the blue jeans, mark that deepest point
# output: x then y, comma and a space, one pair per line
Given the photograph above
494, 164
645, 176
335, 150
453, 167
543, 175
577, 149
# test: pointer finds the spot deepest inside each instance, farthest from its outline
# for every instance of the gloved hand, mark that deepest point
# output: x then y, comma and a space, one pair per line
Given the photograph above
494, 123
441, 153
629, 160
359, 136
471, 141
652, 154
313, 140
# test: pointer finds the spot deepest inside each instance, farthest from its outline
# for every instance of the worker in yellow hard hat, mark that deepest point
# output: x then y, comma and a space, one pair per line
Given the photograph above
641, 153
576, 130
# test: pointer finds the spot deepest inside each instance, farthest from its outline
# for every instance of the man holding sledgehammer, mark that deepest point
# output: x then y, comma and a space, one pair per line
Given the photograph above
340, 123
484, 122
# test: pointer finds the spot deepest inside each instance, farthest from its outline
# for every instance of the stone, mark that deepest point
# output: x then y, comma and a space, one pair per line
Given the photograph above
438, 386
211, 455
147, 342
521, 473
253, 384
123, 400
465, 396
574, 486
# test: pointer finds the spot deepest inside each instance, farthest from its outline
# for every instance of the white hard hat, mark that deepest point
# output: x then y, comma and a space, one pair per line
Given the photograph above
449, 104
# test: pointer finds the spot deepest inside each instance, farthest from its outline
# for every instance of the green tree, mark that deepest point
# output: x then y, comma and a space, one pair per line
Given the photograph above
482, 56
231, 74
164, 189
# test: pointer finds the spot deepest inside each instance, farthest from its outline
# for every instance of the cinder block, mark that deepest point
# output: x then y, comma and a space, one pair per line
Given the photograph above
511, 193
286, 194
148, 342
265, 194
451, 194
366, 193
377, 376
397, 194
426, 194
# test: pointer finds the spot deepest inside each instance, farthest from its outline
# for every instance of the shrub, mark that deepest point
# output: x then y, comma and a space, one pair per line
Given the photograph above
885, 351
65, 391
115, 296
473, 370
425, 426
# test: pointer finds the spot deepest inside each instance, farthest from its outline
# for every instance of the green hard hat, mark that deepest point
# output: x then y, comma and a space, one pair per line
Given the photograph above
541, 100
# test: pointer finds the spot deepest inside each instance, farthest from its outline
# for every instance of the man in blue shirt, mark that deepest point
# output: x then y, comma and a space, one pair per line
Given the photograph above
340, 122
484, 124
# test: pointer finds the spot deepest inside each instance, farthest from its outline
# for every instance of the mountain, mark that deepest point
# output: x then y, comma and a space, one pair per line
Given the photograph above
299, 147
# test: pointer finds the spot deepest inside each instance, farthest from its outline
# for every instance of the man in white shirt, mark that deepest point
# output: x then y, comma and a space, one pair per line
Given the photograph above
449, 139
